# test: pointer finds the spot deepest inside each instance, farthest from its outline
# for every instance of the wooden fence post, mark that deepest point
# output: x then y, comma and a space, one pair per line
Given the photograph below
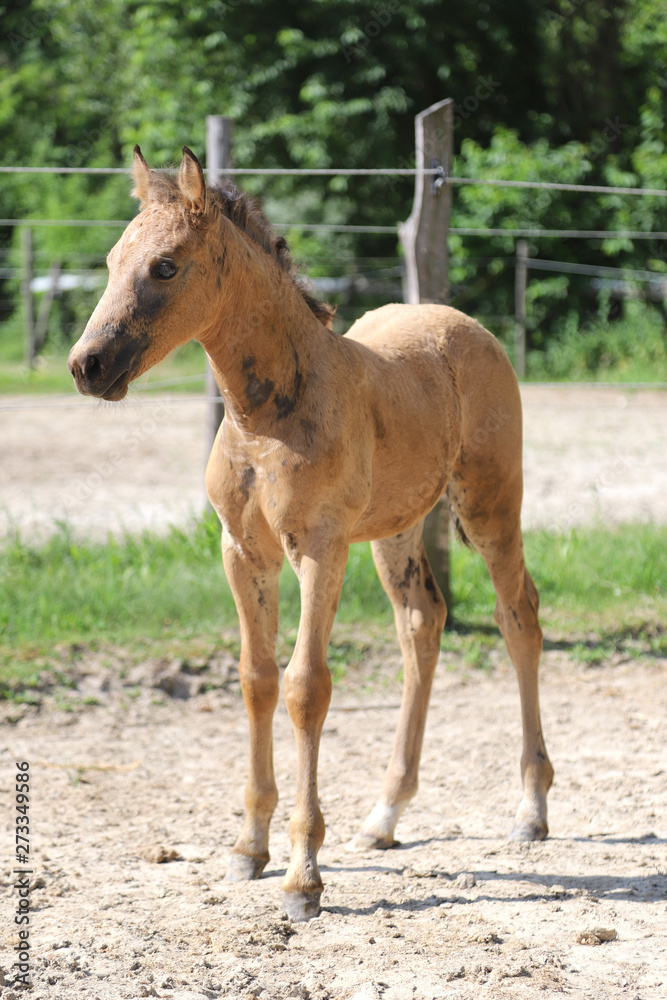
28, 301
425, 240
520, 278
219, 135
44, 311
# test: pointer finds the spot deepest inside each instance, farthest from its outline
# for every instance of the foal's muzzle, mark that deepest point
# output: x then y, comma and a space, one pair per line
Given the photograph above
103, 362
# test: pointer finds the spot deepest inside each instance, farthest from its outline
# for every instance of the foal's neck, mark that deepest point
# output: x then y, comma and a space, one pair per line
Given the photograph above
264, 341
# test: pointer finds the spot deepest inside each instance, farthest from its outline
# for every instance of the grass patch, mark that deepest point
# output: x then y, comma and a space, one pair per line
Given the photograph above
150, 592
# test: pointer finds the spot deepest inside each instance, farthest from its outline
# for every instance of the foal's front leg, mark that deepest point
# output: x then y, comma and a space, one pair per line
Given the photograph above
253, 576
321, 569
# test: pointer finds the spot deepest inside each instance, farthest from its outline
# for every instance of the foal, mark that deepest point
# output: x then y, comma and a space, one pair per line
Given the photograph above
326, 440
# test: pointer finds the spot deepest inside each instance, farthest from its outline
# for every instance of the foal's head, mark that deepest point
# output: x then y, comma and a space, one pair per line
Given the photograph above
162, 282
170, 275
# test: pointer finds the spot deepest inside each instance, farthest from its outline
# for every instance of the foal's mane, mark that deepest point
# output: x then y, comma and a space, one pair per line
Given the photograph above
244, 212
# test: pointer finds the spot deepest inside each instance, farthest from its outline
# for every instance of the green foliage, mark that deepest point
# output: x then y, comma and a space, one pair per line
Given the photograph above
567, 91
633, 349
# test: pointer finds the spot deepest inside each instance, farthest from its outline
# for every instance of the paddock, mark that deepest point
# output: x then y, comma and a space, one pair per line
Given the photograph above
588, 453
457, 911
137, 798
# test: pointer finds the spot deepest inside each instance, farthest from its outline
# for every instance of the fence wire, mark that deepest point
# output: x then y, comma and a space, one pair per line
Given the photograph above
589, 234
366, 172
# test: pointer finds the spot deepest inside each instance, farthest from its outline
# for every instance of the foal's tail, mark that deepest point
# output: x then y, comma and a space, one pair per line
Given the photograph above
458, 527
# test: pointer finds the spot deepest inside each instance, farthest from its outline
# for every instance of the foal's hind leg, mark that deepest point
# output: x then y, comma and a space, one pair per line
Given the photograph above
497, 537
253, 576
420, 613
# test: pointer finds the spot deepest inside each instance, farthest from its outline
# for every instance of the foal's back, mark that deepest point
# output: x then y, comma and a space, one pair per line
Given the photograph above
443, 397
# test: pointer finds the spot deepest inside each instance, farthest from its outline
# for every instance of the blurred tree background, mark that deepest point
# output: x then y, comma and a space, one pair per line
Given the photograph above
570, 90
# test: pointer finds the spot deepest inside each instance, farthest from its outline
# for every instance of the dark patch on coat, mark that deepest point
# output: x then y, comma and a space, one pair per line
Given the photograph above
285, 404
411, 571
308, 428
380, 430
291, 542
247, 481
257, 390
150, 298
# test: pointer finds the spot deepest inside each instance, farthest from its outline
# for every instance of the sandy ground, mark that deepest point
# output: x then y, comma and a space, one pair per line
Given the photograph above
588, 453
456, 911
139, 763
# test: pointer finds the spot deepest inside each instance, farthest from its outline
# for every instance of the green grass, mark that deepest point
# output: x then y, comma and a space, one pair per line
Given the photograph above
598, 586
149, 586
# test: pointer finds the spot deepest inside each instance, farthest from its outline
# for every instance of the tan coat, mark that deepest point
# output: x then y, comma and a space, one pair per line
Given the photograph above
326, 440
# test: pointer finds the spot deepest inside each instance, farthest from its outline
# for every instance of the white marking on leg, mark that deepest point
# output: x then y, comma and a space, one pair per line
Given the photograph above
382, 820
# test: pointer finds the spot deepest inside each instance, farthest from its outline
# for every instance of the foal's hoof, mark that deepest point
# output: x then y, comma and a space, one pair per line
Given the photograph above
301, 906
243, 868
363, 841
529, 831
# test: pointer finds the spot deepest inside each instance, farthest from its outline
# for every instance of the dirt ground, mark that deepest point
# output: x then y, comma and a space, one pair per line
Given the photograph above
588, 453
456, 911
137, 773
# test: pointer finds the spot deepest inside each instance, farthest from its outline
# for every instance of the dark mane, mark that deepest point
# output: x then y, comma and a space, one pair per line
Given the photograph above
245, 213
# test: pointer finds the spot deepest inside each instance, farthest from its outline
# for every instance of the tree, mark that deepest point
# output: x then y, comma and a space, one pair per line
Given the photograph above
570, 91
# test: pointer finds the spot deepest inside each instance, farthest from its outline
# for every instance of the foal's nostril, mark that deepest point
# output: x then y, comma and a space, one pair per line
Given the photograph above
91, 367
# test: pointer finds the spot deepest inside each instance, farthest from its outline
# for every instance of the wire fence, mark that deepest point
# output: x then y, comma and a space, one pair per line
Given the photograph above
367, 172
587, 234
380, 275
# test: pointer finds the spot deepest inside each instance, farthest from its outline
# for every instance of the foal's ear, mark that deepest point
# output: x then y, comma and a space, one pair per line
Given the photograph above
191, 182
142, 176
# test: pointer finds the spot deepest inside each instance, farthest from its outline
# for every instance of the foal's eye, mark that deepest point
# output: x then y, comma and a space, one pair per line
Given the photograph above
164, 269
